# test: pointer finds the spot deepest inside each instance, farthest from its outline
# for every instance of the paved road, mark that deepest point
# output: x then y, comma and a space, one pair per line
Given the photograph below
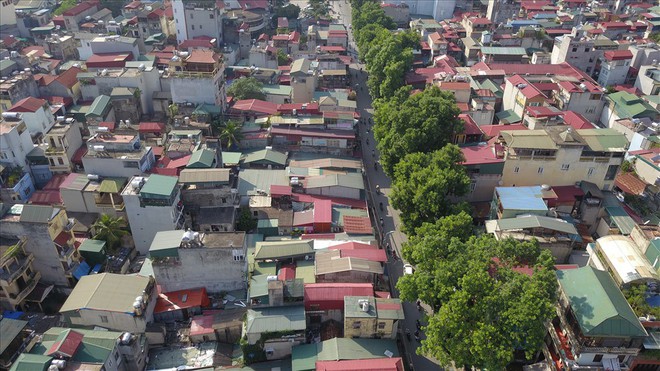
390, 232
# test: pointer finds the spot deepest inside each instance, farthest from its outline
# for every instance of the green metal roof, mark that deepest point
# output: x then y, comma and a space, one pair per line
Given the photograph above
154, 38
266, 155
96, 346
166, 244
604, 140
536, 139
508, 117
159, 185
37, 214
231, 158
338, 349
350, 180
599, 306
112, 185
503, 50
93, 246
10, 328
653, 254
266, 268
305, 270
7, 63
536, 221
621, 218
106, 291
202, 158
99, 107
267, 223
207, 109
259, 285
277, 89
290, 318
628, 105
31, 362
303, 357
283, 249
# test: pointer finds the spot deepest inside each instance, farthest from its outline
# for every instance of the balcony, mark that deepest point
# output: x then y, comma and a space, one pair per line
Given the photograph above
17, 268
71, 268
109, 200
66, 252
32, 283
53, 151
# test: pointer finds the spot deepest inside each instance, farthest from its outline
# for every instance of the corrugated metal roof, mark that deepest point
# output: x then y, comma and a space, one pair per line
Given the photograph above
204, 176
351, 180
345, 349
621, 218
380, 364
31, 362
99, 106
536, 221
330, 261
202, 158
625, 259
10, 328
305, 270
290, 318
159, 185
606, 140
536, 139
112, 185
37, 214
231, 158
331, 295
283, 249
268, 155
106, 291
89, 245
521, 198
599, 306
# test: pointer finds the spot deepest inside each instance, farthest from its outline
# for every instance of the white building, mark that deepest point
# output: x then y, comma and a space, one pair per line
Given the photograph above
110, 155
36, 114
648, 79
193, 20
115, 44
438, 9
15, 142
7, 13
614, 67
196, 77
152, 205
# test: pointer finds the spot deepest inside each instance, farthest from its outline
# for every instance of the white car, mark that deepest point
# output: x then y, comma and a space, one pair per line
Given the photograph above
408, 269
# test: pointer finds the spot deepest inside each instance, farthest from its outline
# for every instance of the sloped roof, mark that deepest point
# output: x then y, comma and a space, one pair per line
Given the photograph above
290, 318
29, 104
269, 155
283, 249
31, 362
202, 158
106, 291
37, 214
535, 221
630, 183
378, 364
182, 299
10, 328
331, 295
599, 306
112, 185
66, 344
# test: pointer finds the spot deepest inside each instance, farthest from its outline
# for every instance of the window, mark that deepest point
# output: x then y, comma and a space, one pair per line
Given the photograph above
586, 50
598, 358
516, 169
211, 16
540, 170
192, 15
238, 255
193, 27
611, 172
200, 26
104, 319
591, 171
574, 50
381, 325
588, 69
357, 324
60, 161
473, 185
565, 167
131, 164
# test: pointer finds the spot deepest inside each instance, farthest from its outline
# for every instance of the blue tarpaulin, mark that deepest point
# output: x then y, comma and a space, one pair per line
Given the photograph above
82, 270
12, 315
96, 269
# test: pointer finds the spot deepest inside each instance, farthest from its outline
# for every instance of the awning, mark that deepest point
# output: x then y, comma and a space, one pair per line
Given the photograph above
96, 269
39, 293
82, 270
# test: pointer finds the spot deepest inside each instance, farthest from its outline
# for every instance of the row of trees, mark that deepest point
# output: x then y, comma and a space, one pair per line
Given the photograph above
484, 309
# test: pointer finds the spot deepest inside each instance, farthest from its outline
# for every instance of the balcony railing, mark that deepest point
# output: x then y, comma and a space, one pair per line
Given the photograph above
18, 268
66, 252
32, 283
55, 151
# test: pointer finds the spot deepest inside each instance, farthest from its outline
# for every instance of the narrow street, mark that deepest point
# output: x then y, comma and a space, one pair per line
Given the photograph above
391, 222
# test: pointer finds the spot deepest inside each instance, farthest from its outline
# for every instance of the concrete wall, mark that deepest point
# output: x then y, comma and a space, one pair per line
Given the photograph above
115, 320
14, 147
525, 172
645, 83
40, 121
647, 172
613, 73
484, 186
212, 268
194, 90
204, 197
115, 167
146, 221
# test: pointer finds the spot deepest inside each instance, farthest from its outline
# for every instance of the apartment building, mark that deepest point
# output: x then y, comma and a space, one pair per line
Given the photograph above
648, 79
15, 142
560, 156
614, 67
15, 88
64, 139
50, 239
194, 20
121, 155
153, 204
36, 114
197, 77
18, 278
579, 51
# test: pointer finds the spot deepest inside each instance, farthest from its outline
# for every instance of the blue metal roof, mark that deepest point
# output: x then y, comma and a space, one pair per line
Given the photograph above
521, 198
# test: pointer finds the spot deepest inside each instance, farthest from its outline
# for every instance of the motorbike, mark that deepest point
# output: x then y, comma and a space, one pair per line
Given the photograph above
381, 206
417, 335
408, 334
375, 163
377, 189
419, 305
418, 324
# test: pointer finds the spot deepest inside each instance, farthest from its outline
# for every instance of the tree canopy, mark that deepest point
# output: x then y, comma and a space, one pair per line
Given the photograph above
231, 134
291, 11
110, 229
423, 122
484, 308
424, 184
246, 88
64, 6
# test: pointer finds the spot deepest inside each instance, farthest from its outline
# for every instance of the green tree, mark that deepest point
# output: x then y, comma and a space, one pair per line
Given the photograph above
282, 58
231, 134
429, 242
172, 111
291, 11
246, 88
483, 309
245, 221
655, 37
114, 5
388, 59
371, 13
64, 6
110, 229
422, 122
424, 185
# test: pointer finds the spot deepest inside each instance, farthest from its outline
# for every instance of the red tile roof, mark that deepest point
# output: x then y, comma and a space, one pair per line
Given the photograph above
108, 124
108, 60
253, 4
55, 182
492, 131
357, 225
470, 127
479, 155
543, 111
333, 48
203, 56
68, 345
331, 295
182, 299
323, 211
286, 273
353, 246
255, 105
577, 121
133, 5
630, 183
78, 155
63, 238
151, 127
377, 364
618, 55
85, 5
561, 69
201, 325
29, 104
336, 134
480, 21
565, 194
46, 197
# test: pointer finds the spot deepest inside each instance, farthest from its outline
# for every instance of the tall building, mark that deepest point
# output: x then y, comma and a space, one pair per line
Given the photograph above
153, 204
196, 19
438, 9
7, 14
